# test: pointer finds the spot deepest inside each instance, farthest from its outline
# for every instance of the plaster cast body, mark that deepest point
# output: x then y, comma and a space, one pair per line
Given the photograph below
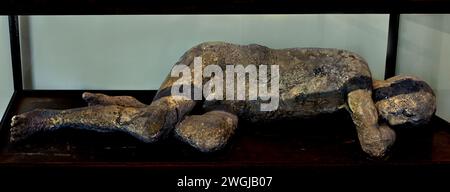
313, 81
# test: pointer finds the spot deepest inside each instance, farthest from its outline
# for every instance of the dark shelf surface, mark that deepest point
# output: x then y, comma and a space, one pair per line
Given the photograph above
327, 141
68, 7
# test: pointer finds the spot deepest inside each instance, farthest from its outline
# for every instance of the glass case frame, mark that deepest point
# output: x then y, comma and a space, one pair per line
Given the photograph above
434, 152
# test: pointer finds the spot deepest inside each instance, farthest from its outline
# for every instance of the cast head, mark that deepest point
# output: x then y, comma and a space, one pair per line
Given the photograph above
404, 99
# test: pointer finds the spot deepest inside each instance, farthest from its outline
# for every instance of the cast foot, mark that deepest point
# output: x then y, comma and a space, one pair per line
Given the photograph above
26, 124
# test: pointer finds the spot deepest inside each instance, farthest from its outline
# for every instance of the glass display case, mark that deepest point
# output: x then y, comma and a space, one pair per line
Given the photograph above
53, 54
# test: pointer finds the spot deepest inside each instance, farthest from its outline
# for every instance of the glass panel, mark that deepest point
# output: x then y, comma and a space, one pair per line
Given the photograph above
137, 52
6, 80
424, 47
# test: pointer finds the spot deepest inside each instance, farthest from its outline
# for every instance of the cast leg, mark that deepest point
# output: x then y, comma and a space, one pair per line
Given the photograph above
374, 139
147, 124
207, 132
